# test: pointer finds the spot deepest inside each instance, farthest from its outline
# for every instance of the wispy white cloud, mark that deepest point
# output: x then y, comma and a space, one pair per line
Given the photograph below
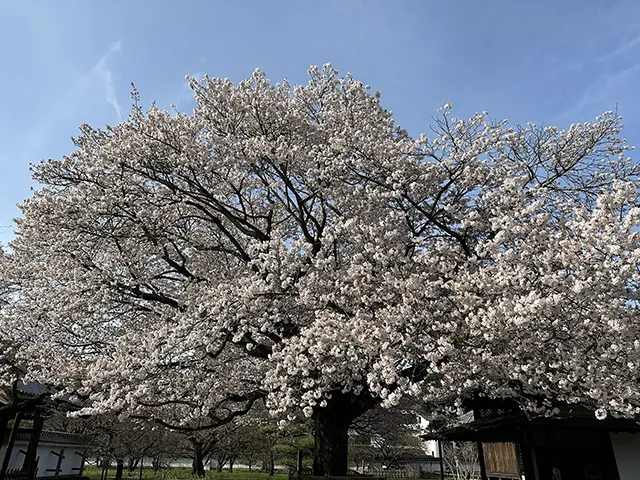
111, 94
102, 70
601, 93
72, 102
613, 53
608, 76
621, 49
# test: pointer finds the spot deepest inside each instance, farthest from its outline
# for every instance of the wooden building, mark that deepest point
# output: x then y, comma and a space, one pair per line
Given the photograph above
27, 450
570, 445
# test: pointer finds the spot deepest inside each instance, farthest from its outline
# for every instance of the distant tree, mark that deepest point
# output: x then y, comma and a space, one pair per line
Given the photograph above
461, 460
361, 452
200, 448
253, 445
123, 441
168, 447
297, 436
387, 435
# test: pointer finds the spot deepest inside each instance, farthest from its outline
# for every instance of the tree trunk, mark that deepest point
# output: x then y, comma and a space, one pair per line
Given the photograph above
231, 461
119, 468
133, 464
198, 464
272, 465
331, 428
331, 442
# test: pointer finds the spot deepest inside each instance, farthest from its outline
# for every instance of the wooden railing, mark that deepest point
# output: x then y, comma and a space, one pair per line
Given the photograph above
395, 473
17, 474
377, 474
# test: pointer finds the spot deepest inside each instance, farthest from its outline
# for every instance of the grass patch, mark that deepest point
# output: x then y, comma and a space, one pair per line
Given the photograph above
93, 473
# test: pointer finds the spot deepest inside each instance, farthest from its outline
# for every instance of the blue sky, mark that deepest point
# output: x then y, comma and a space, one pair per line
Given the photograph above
68, 62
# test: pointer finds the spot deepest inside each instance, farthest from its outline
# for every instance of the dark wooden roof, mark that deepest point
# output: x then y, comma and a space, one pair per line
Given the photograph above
58, 438
509, 423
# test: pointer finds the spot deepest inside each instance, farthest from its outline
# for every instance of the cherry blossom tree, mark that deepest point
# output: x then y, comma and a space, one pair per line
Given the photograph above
293, 243
8, 366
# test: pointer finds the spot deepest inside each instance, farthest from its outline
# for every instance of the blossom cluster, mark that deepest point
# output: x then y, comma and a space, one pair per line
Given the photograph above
293, 242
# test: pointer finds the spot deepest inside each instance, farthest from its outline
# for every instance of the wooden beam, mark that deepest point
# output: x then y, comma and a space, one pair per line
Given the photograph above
58, 468
534, 463
521, 467
59, 464
30, 463
483, 467
611, 464
83, 458
7, 412
10, 444
441, 457
299, 463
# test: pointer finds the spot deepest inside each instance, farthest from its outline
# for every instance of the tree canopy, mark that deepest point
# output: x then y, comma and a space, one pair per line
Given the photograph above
293, 242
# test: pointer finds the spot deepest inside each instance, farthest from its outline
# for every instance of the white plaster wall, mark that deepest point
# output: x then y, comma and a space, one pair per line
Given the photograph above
16, 457
47, 459
431, 448
626, 447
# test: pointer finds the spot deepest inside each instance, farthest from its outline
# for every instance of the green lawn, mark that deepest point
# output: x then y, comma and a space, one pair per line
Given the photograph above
185, 474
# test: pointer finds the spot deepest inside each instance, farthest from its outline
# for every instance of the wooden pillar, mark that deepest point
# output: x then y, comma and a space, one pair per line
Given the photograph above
611, 464
5, 415
441, 457
529, 458
483, 468
82, 459
29, 463
10, 444
521, 468
59, 464
529, 462
299, 463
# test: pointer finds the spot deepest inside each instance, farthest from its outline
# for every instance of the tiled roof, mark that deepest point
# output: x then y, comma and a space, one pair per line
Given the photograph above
33, 388
57, 438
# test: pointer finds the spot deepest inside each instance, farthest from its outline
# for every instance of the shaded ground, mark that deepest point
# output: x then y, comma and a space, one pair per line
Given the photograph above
93, 473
